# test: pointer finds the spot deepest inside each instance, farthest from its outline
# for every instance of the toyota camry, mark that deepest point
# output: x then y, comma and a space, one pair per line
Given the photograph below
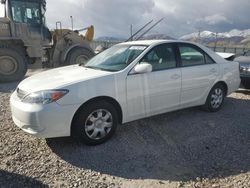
126, 82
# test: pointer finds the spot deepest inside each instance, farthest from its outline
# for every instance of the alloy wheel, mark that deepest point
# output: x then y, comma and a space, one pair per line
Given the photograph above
217, 98
98, 124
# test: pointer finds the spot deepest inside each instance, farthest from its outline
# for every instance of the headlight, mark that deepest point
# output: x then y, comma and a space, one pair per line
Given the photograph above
44, 97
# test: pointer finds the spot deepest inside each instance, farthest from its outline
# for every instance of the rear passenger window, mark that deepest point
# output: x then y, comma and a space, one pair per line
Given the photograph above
160, 57
190, 56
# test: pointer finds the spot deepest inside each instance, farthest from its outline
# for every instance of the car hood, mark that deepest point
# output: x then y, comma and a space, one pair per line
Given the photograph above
59, 78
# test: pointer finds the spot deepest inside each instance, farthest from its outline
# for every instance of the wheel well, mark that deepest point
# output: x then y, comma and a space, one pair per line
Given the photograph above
103, 98
224, 85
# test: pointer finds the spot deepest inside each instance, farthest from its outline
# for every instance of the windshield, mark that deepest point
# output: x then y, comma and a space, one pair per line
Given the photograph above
115, 58
26, 12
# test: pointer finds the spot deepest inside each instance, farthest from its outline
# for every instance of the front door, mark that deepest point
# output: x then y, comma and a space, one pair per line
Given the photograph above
158, 91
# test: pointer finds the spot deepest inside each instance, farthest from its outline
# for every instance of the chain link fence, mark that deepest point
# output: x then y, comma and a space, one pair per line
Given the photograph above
235, 50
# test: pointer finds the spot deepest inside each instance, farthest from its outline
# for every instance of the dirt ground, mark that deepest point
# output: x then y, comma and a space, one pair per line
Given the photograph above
186, 148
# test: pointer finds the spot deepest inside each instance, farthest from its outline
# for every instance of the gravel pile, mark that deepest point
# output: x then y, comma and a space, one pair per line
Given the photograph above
187, 148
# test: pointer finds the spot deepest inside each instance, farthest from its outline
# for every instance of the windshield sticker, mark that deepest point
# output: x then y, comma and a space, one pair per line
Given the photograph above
137, 47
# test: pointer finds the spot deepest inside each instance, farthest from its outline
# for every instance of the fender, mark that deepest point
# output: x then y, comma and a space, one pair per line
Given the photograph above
66, 51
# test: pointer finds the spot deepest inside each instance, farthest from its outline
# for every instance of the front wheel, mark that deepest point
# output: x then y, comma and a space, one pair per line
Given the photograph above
95, 123
215, 98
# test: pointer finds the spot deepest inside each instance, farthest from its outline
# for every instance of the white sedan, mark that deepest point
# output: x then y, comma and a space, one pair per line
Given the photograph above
127, 82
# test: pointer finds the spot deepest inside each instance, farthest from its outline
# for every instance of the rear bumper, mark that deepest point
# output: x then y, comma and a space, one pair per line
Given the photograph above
45, 121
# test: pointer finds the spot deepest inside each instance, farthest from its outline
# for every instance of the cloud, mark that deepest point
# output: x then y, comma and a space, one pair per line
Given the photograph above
110, 17
113, 18
216, 19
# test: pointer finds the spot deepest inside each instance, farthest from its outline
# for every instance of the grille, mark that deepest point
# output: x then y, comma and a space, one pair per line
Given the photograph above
21, 93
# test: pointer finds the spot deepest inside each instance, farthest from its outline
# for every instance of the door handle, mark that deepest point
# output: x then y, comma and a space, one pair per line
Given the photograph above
175, 76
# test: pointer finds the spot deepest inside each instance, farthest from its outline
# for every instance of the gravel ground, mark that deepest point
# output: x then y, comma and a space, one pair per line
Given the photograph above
187, 148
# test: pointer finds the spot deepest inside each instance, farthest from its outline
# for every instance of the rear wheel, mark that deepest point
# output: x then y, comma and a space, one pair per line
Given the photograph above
95, 123
215, 98
78, 56
13, 65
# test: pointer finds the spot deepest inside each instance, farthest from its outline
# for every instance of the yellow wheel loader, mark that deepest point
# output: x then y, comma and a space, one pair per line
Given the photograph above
24, 38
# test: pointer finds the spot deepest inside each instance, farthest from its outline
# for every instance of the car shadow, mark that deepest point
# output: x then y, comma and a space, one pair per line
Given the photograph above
8, 179
180, 146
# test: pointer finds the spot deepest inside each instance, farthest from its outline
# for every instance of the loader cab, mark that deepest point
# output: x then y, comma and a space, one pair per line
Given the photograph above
26, 12
30, 13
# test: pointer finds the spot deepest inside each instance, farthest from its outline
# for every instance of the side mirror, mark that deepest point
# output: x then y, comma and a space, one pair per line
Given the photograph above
142, 68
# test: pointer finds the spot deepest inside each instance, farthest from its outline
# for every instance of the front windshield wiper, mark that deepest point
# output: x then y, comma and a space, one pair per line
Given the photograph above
99, 68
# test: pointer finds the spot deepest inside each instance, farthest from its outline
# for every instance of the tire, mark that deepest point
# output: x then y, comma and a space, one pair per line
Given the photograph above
90, 121
215, 98
13, 65
78, 55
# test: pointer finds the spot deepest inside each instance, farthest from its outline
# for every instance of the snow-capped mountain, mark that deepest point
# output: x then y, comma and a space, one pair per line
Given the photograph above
111, 39
157, 36
146, 37
213, 35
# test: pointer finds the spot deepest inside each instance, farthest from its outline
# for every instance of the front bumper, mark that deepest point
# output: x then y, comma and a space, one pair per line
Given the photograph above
46, 121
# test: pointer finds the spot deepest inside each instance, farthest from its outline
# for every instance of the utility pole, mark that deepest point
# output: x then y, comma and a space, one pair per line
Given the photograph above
131, 32
199, 35
215, 43
72, 23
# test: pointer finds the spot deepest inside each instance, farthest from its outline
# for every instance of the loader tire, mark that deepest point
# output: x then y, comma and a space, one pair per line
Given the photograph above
13, 64
78, 56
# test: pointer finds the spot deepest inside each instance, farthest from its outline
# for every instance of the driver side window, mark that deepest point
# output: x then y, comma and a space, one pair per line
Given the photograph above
160, 57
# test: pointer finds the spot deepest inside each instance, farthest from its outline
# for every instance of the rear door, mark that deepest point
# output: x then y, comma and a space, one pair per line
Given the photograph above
199, 73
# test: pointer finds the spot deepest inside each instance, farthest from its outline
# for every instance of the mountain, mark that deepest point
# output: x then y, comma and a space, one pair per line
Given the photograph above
209, 34
157, 36
110, 39
233, 37
146, 37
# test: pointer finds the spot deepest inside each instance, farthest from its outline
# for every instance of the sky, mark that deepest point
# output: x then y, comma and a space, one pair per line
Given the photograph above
113, 17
